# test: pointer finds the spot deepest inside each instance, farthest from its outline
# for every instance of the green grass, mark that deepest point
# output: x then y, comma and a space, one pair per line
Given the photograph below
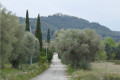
100, 71
26, 73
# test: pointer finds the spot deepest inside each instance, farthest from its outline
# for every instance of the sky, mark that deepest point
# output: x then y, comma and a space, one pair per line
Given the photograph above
105, 12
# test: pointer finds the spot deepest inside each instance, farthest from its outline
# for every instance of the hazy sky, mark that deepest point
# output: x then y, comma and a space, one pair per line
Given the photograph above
105, 12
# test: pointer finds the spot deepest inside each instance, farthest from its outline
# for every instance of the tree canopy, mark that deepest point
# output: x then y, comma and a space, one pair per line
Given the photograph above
76, 46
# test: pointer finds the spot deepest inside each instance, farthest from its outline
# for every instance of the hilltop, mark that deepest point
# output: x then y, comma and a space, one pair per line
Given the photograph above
62, 21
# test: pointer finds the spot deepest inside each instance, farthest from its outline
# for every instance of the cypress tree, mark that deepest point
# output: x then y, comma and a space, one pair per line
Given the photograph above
27, 21
48, 36
38, 32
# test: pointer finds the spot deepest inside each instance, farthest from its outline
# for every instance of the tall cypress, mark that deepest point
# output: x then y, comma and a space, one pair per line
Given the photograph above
48, 36
27, 21
38, 32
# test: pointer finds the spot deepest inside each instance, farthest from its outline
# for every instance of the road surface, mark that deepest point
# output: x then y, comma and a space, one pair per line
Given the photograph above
55, 72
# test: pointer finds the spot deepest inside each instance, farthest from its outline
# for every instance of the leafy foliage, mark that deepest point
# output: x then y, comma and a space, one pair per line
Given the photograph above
16, 43
112, 50
48, 36
49, 54
38, 32
27, 21
9, 25
78, 47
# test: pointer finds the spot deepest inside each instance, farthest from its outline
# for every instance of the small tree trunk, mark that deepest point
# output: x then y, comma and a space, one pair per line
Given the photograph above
15, 64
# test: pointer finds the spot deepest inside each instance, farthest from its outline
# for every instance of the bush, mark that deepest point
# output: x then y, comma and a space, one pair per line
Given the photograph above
27, 73
111, 77
101, 56
49, 54
84, 64
42, 60
117, 62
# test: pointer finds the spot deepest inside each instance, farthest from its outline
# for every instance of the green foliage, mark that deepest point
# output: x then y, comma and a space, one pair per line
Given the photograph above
117, 62
56, 22
101, 55
26, 73
111, 77
109, 41
78, 47
16, 44
30, 47
42, 60
49, 54
9, 26
117, 52
38, 32
90, 75
118, 43
113, 51
48, 36
27, 21
112, 56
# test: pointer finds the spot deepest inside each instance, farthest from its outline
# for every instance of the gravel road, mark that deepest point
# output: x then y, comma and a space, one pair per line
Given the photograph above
55, 72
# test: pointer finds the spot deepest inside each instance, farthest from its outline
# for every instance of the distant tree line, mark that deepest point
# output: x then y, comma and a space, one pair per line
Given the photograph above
56, 22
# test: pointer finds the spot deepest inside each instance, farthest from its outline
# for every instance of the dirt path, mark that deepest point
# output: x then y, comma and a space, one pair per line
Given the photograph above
55, 72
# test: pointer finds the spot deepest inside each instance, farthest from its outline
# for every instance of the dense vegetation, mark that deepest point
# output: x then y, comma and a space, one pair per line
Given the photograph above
112, 49
19, 47
78, 47
56, 22
87, 56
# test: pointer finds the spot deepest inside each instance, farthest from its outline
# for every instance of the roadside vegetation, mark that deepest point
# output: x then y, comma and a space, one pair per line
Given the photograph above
26, 73
22, 53
88, 56
99, 72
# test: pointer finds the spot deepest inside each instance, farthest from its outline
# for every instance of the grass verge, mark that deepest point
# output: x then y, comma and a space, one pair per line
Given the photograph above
26, 73
100, 71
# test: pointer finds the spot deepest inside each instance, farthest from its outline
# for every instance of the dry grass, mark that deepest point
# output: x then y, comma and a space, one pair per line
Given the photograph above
106, 67
100, 71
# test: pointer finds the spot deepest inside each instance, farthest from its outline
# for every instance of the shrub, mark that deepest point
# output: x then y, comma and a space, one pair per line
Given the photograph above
101, 55
111, 77
42, 60
117, 62
49, 54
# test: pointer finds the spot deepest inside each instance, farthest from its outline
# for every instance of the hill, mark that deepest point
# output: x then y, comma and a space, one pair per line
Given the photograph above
61, 21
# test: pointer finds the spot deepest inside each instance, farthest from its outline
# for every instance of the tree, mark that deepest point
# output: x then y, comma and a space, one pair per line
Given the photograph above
78, 47
48, 36
38, 32
17, 52
117, 53
109, 41
118, 43
101, 55
9, 24
27, 21
109, 47
15, 44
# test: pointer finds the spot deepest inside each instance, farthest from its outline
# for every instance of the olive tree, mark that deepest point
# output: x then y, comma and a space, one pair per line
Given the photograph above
78, 47
8, 25
31, 45
17, 52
